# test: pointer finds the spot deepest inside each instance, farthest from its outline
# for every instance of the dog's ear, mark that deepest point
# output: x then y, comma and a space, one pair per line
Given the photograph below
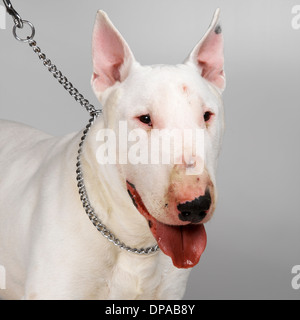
112, 58
208, 54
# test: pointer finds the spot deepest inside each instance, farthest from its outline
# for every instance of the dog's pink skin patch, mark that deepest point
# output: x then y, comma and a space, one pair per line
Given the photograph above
184, 244
185, 89
186, 190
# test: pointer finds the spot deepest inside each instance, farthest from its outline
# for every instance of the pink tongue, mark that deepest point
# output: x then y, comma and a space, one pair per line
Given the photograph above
184, 244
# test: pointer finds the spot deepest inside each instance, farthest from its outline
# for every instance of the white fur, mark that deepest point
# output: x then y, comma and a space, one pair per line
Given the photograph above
48, 246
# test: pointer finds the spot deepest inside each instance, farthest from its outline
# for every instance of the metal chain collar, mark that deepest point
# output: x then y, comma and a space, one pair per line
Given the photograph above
19, 23
89, 209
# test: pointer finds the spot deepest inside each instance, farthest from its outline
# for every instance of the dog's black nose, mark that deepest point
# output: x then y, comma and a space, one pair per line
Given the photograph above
195, 211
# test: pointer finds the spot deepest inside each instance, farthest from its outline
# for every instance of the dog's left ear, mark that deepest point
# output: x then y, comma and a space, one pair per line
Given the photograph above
208, 54
112, 57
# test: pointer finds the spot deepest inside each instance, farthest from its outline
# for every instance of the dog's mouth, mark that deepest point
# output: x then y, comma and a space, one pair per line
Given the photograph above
184, 243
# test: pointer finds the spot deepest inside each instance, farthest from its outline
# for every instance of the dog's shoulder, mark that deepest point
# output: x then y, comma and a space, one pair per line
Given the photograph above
17, 138
12, 128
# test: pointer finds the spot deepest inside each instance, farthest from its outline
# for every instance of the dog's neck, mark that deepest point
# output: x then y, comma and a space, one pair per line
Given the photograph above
107, 192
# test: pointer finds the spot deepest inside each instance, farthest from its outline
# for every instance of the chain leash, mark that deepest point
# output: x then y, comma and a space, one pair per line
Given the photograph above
62, 79
94, 113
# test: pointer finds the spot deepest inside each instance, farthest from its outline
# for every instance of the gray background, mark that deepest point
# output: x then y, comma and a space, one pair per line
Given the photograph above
254, 237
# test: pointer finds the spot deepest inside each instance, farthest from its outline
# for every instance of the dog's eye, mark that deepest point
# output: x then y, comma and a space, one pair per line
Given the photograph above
207, 116
146, 119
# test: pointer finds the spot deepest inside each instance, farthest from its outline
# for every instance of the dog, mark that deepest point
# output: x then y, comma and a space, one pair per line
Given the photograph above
48, 246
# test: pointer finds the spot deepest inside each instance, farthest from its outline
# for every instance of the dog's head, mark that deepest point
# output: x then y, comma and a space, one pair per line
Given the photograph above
173, 116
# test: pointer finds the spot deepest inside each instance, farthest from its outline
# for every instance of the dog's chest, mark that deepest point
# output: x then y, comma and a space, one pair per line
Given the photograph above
153, 277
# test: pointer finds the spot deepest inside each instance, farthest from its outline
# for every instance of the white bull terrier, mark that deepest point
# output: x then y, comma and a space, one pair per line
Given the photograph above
49, 247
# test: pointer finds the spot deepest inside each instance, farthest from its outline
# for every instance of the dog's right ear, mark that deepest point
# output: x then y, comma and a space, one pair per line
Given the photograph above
112, 57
